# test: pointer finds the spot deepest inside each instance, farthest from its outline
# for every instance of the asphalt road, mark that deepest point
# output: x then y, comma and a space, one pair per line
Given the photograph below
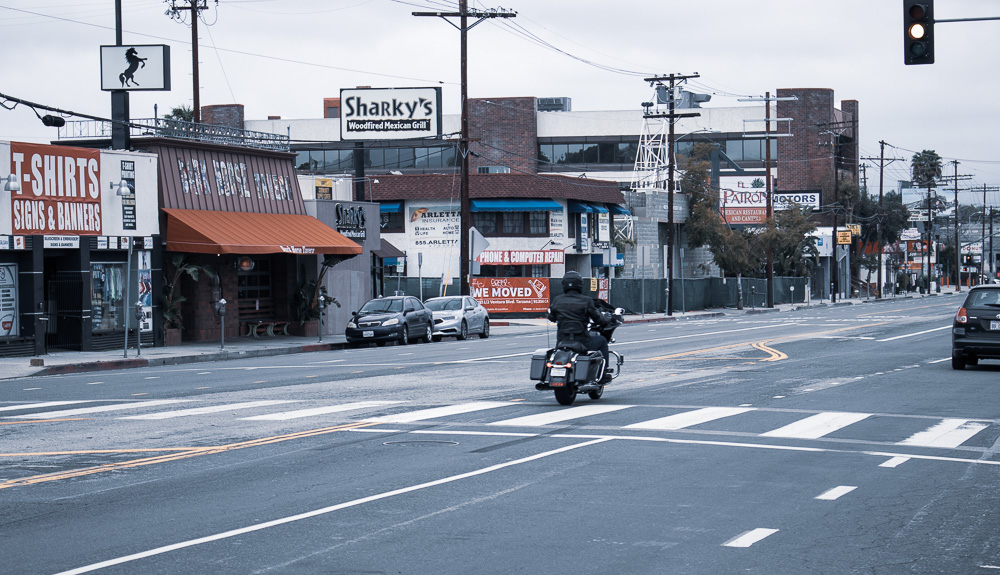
825, 440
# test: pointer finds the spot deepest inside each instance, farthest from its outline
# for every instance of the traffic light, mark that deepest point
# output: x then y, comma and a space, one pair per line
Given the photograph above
918, 32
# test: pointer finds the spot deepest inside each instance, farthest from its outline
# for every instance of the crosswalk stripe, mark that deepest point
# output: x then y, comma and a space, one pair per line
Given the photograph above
947, 433
100, 409
689, 418
435, 412
42, 405
561, 415
209, 409
750, 537
817, 426
286, 415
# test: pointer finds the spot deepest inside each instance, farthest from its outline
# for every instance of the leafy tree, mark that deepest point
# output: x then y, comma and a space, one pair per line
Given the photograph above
790, 237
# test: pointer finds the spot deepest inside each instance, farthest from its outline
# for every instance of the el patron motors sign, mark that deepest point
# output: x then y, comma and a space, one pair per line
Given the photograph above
60, 190
390, 113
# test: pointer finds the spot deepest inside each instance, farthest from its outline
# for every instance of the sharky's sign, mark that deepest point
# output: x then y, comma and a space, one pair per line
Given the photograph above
351, 221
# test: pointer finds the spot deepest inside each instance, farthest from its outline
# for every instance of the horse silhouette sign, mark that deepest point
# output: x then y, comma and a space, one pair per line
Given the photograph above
135, 67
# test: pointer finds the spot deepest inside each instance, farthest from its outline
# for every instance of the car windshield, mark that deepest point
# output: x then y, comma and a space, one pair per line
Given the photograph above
985, 297
382, 306
443, 304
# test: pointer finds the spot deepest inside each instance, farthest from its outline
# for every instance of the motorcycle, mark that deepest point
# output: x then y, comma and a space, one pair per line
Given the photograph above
569, 369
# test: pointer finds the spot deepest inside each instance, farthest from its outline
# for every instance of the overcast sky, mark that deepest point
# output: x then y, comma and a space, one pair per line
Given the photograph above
282, 57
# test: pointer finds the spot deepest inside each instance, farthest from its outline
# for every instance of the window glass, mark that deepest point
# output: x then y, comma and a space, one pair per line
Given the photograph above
107, 297
390, 158
539, 271
302, 160
538, 223
607, 153
574, 154
590, 155
448, 157
485, 222
391, 222
545, 153
558, 153
407, 158
434, 158
513, 222
752, 150
627, 153
376, 159
734, 149
420, 160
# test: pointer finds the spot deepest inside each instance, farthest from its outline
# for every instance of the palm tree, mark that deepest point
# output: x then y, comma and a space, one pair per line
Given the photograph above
925, 168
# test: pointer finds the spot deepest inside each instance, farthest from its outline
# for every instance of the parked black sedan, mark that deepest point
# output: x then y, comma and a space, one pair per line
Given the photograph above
401, 319
975, 333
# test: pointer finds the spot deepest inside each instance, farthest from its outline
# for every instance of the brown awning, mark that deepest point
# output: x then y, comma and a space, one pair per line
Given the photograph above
387, 250
214, 232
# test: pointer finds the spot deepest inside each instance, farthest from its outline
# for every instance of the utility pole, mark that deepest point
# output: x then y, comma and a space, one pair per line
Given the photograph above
463, 27
767, 189
195, 7
958, 245
881, 210
671, 117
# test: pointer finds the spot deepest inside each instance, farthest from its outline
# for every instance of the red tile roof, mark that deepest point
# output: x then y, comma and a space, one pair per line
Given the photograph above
444, 186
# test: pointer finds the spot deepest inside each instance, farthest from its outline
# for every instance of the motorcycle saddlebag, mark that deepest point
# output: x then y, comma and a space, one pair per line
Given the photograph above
587, 366
538, 364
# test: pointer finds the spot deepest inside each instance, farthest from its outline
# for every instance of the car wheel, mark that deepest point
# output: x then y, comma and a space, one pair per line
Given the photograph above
428, 335
380, 343
957, 361
436, 337
463, 331
972, 360
352, 344
486, 329
404, 337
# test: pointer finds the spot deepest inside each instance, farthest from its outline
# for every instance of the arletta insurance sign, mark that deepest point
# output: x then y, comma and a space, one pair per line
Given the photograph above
390, 113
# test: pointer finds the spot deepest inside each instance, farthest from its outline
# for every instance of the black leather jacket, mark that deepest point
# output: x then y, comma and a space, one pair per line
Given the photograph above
572, 312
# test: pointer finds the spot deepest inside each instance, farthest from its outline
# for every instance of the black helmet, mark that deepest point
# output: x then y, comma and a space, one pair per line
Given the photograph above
572, 281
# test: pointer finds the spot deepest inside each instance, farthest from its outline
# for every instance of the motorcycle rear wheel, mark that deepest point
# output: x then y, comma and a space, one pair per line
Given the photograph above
597, 393
565, 395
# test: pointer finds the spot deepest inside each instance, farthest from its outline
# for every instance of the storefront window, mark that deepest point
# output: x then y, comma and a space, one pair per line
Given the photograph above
107, 298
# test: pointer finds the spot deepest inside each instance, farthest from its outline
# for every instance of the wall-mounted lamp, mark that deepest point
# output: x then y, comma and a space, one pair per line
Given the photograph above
10, 184
555, 243
121, 188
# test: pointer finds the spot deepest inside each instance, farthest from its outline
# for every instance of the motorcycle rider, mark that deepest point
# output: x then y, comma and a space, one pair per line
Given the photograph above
572, 311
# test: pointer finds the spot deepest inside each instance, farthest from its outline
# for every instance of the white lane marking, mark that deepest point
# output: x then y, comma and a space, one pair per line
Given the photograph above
100, 408
894, 462
209, 409
750, 537
720, 332
328, 361
560, 415
689, 418
95, 383
472, 359
935, 361
286, 415
41, 405
915, 334
435, 412
325, 510
816, 426
836, 492
948, 433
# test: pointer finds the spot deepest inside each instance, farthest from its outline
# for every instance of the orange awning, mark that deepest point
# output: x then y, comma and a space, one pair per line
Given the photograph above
213, 232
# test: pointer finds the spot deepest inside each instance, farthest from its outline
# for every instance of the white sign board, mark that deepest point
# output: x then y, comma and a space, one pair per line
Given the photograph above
135, 67
390, 113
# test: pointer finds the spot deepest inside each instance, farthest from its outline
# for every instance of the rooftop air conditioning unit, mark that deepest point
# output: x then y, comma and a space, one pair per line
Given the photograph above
555, 104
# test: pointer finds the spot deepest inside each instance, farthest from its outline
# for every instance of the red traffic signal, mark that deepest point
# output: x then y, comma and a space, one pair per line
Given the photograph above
918, 32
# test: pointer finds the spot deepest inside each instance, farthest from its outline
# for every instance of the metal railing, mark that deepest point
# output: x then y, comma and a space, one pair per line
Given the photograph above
179, 129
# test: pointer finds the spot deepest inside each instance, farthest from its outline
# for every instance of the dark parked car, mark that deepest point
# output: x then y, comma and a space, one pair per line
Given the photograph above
401, 319
975, 334
458, 316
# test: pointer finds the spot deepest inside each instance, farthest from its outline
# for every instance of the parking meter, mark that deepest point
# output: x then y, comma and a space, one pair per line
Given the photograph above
321, 303
220, 308
139, 316
793, 293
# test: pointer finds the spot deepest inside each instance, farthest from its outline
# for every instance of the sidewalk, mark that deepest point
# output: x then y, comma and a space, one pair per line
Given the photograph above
58, 361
